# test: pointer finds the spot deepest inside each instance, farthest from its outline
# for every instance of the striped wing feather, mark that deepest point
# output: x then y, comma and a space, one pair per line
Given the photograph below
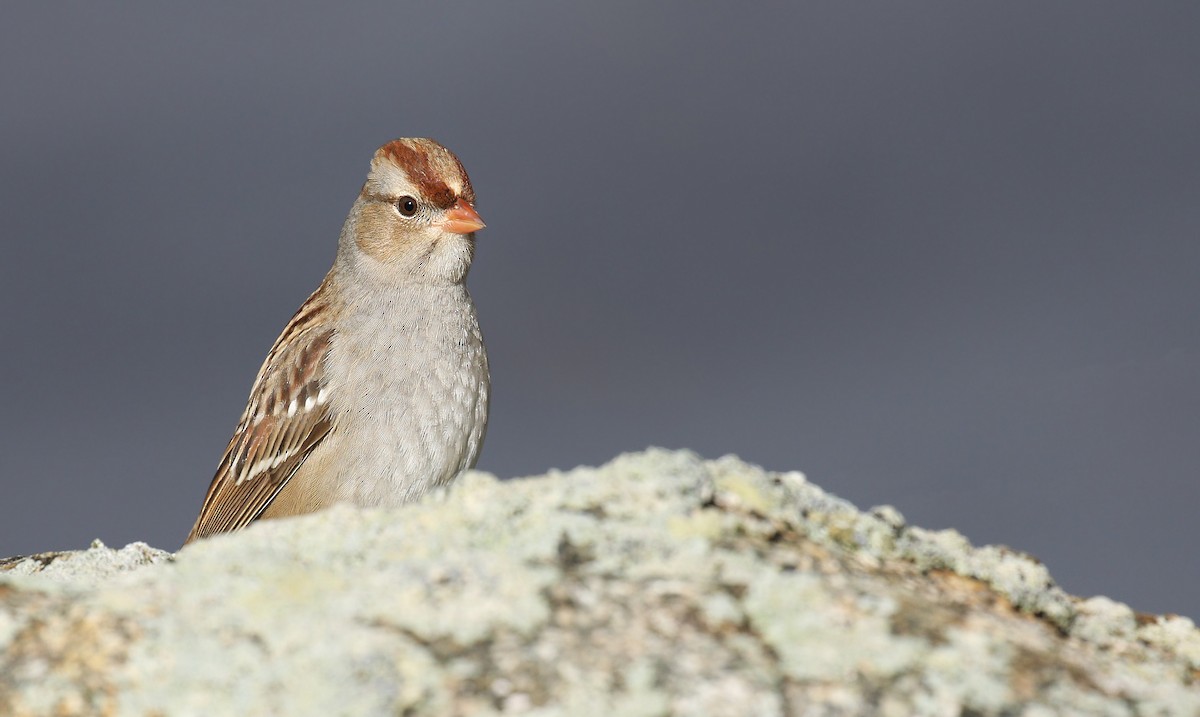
286, 417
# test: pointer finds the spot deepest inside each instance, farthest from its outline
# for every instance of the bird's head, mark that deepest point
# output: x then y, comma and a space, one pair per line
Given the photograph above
415, 216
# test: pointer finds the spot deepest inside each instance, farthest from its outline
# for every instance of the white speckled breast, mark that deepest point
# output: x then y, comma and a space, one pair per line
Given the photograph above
409, 387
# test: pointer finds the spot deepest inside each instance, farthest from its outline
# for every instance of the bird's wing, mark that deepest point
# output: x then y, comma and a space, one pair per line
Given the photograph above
286, 417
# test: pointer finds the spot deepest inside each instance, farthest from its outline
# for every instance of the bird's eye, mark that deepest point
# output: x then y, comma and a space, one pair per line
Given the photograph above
407, 206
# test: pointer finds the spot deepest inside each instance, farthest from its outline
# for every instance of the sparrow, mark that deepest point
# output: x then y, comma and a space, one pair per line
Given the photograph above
377, 389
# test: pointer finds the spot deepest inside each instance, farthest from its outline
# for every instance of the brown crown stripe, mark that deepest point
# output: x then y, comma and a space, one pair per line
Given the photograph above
416, 163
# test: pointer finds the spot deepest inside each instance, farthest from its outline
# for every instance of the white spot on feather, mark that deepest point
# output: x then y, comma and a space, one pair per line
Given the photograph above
267, 464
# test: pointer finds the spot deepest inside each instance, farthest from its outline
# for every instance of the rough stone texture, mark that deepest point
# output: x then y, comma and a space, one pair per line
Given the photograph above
92, 565
659, 584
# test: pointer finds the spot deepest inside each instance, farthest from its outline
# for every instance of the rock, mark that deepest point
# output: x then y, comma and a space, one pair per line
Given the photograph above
88, 566
659, 584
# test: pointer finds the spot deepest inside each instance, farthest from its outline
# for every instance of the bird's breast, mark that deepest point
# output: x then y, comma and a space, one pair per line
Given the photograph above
408, 379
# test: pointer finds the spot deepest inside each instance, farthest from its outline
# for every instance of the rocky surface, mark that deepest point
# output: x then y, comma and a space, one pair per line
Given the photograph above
659, 584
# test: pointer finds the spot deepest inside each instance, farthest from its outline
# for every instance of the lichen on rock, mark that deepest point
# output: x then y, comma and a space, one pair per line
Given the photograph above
658, 584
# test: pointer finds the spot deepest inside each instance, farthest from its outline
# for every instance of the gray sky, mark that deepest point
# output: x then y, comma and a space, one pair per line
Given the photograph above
938, 255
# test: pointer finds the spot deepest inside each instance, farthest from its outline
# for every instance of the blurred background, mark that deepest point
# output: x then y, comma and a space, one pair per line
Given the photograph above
940, 255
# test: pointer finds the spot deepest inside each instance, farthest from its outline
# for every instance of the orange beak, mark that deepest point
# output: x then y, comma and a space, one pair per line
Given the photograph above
462, 219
